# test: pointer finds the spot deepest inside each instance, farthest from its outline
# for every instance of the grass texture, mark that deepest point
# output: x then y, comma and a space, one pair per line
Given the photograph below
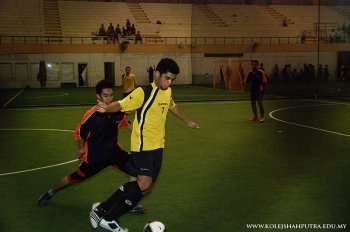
229, 173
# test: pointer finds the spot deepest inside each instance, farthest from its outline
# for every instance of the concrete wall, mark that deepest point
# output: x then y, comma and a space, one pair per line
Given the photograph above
95, 69
17, 63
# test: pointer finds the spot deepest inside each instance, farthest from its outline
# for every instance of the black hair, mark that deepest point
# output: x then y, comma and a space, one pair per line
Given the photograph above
168, 65
255, 61
104, 84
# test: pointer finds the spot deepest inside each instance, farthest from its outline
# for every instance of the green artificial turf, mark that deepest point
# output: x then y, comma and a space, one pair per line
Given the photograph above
229, 173
87, 96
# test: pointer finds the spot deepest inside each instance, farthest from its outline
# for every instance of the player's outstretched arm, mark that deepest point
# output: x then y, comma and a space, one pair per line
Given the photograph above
104, 108
177, 112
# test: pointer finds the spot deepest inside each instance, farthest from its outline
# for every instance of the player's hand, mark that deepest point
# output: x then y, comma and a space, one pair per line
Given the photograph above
193, 125
101, 107
80, 153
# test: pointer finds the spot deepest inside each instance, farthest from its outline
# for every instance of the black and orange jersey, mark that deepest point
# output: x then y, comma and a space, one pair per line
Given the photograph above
100, 132
257, 80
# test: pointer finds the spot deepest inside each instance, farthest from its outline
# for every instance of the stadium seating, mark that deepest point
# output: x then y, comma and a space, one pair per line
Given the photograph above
175, 19
83, 18
21, 18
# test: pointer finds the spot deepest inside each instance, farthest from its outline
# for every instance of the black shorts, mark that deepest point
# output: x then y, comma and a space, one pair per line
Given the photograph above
87, 170
257, 95
146, 163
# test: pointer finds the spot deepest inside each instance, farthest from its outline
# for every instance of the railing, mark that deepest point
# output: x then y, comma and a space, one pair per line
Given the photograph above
180, 41
326, 26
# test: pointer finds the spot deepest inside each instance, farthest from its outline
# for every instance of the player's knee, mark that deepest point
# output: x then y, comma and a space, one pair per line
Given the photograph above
75, 178
144, 182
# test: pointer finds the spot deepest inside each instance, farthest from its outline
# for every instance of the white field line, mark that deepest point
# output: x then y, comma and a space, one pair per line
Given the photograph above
189, 103
32, 129
48, 96
39, 168
35, 169
13, 98
302, 125
48, 108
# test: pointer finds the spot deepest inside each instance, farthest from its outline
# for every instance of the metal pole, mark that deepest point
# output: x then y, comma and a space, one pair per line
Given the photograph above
318, 33
318, 50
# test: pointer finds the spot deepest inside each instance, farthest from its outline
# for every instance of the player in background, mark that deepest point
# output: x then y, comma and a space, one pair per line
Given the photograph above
128, 82
151, 103
97, 136
257, 81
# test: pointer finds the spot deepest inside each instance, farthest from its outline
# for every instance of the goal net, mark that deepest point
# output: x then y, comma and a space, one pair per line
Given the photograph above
230, 74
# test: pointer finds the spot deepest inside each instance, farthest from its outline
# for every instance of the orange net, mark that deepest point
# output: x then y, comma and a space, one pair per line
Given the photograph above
231, 74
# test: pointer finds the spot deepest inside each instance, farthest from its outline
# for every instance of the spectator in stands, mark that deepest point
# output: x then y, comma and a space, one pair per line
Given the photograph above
347, 29
158, 25
150, 71
124, 32
303, 37
338, 36
344, 27
118, 31
110, 28
128, 27
332, 36
111, 32
102, 30
285, 22
133, 30
138, 37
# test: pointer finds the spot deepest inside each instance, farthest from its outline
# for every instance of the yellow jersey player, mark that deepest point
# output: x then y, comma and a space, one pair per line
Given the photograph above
128, 82
147, 142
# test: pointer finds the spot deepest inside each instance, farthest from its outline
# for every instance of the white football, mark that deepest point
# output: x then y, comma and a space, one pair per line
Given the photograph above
155, 226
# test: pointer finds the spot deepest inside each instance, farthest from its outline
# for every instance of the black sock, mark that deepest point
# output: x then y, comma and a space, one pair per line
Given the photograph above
125, 191
123, 207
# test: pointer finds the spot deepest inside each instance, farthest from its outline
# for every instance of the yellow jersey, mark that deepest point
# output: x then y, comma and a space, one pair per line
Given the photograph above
151, 105
128, 83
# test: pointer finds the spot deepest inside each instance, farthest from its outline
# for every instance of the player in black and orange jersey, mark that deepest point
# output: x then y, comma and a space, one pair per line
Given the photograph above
152, 104
257, 81
97, 136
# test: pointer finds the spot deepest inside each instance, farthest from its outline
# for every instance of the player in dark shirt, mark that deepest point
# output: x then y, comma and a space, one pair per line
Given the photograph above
257, 81
97, 136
